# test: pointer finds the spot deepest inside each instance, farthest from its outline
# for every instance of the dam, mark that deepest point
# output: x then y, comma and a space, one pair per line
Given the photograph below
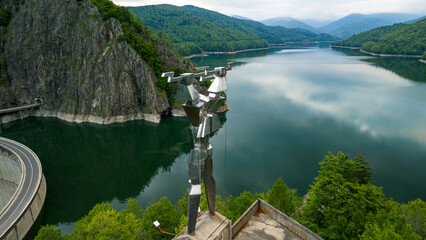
23, 189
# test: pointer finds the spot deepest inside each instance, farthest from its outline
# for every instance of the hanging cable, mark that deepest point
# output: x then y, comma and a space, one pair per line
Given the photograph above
166, 232
157, 225
225, 159
226, 93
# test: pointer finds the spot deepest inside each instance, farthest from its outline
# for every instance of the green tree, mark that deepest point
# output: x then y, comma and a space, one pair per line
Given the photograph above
165, 213
5, 16
389, 223
341, 198
134, 208
103, 222
48, 232
415, 215
344, 204
233, 208
283, 198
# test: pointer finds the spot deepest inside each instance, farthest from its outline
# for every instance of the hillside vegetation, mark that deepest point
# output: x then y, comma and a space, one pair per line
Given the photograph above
406, 39
188, 34
191, 30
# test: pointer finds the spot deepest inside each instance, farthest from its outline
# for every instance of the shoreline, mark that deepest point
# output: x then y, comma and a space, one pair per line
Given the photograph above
238, 51
354, 48
79, 118
391, 55
379, 54
204, 54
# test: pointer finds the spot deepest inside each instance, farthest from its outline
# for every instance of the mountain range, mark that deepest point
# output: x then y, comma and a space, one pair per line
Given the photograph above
289, 22
348, 25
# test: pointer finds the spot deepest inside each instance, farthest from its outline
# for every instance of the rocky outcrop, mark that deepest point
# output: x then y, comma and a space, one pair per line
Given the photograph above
64, 53
171, 60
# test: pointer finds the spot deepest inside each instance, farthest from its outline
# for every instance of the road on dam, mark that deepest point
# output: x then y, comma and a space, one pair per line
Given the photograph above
32, 174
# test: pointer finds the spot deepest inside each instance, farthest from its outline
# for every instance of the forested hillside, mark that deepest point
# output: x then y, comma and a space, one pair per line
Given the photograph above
192, 30
406, 39
189, 34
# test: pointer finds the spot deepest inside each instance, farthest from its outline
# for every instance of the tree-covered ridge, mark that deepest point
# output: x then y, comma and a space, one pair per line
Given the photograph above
191, 30
374, 35
189, 34
249, 26
405, 39
342, 204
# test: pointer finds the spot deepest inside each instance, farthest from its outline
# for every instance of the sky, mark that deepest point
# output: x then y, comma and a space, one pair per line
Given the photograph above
299, 9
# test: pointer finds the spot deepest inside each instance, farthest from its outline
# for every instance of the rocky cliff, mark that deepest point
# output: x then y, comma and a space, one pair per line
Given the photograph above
65, 53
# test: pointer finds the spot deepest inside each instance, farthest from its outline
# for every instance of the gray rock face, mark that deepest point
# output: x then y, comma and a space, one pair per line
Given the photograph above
62, 52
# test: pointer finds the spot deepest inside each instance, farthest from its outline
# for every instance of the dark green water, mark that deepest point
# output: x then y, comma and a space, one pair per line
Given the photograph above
289, 107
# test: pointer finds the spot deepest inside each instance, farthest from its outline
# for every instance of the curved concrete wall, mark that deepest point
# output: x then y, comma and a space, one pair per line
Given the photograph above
12, 171
10, 176
26, 221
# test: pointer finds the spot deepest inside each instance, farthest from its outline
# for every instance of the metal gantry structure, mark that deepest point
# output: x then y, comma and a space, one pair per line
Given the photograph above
201, 111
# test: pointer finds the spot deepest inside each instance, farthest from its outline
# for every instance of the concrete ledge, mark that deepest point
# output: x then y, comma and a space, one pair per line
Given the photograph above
247, 215
284, 225
288, 222
209, 227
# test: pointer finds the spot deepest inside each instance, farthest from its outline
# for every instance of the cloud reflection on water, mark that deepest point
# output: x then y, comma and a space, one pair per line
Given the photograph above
372, 99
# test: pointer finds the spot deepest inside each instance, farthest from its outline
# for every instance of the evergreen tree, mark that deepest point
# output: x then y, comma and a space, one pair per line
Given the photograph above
283, 198
343, 203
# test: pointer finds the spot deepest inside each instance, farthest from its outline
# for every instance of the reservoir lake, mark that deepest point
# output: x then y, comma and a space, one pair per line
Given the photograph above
290, 106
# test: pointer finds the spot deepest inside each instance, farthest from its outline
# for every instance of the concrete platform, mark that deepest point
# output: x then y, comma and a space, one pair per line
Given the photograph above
263, 221
262, 226
209, 228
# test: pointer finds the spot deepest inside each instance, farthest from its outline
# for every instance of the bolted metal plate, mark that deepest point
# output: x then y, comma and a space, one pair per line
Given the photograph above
218, 85
195, 190
196, 164
193, 204
214, 104
187, 93
210, 124
193, 113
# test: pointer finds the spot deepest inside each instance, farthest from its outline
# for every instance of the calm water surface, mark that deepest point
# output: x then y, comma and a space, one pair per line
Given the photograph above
289, 107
